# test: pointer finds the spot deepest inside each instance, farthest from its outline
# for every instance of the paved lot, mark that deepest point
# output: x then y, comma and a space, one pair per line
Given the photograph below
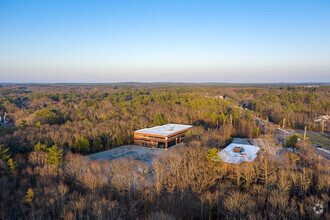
143, 154
242, 141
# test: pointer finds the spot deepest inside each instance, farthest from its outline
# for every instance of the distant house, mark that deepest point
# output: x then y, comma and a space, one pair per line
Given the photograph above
323, 118
161, 136
324, 121
239, 153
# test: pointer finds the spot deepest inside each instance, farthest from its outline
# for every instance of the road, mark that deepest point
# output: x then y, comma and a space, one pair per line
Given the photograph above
319, 151
282, 134
323, 152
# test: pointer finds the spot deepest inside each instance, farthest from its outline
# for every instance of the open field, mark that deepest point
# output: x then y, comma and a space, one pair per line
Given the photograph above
316, 138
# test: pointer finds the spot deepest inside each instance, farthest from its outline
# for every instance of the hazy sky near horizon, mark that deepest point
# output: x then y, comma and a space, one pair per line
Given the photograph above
165, 41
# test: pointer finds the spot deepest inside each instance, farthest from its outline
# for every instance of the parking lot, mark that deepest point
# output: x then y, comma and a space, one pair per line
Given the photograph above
144, 154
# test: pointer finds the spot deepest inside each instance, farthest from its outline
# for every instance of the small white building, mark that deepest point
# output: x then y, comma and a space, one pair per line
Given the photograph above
238, 153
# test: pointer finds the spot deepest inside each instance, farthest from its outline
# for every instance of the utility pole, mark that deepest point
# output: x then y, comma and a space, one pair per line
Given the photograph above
305, 133
257, 132
314, 125
322, 126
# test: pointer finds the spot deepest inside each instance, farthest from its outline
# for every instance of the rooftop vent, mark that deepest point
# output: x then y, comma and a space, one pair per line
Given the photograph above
238, 149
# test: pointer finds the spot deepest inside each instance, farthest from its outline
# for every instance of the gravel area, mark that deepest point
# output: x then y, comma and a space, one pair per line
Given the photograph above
144, 154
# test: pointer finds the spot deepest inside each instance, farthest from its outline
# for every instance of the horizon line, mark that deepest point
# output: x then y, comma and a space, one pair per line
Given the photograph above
160, 82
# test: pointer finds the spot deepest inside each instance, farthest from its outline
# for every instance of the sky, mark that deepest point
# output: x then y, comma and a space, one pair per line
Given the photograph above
250, 41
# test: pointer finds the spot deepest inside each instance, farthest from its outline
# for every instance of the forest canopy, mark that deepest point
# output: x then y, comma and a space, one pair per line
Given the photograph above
49, 129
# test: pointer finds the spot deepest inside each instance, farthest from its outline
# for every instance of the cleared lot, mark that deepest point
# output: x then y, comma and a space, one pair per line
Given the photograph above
143, 154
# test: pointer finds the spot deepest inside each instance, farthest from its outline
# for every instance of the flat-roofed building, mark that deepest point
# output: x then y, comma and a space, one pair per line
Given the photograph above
239, 153
161, 136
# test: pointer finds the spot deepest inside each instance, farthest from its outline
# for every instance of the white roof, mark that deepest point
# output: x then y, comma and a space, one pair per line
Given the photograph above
229, 156
165, 130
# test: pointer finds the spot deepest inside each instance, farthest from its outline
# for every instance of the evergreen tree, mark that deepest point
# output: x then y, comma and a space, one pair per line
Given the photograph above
159, 119
81, 145
3, 153
38, 125
40, 147
119, 141
292, 142
54, 157
12, 167
213, 155
97, 146
22, 124
29, 196
248, 115
256, 132
49, 116
3, 159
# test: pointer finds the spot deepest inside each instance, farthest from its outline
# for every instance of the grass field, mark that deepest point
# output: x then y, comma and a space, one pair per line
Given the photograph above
319, 139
